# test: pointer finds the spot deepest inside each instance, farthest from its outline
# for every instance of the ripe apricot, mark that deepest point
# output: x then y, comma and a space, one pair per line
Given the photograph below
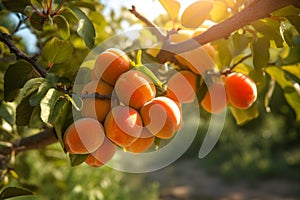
102, 155
161, 116
215, 99
84, 136
93, 75
198, 60
110, 64
135, 88
95, 107
123, 125
182, 86
241, 90
143, 143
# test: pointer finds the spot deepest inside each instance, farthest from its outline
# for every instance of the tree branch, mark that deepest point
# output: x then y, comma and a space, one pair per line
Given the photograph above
160, 36
36, 141
7, 40
259, 9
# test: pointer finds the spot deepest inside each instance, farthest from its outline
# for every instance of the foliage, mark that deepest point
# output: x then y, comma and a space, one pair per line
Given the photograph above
80, 182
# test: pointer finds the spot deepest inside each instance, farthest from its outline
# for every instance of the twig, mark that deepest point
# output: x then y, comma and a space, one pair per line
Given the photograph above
36, 141
240, 61
7, 40
160, 36
257, 10
96, 95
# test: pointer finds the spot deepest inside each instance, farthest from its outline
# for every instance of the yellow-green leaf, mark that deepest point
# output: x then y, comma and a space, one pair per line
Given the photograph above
196, 13
219, 11
172, 7
290, 93
293, 69
243, 116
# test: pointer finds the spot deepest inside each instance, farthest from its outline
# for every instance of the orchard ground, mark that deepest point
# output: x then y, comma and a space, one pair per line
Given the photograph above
187, 180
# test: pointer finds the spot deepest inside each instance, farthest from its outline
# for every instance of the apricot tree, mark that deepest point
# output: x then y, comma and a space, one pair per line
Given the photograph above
229, 53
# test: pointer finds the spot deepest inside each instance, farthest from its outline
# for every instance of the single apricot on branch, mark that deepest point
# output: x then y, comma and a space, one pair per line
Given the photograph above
161, 116
84, 136
110, 64
123, 125
134, 88
241, 90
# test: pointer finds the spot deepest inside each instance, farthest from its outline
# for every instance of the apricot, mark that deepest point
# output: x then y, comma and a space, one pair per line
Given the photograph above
198, 60
110, 64
215, 99
181, 86
102, 155
161, 116
241, 90
143, 143
84, 136
134, 89
93, 75
123, 125
95, 107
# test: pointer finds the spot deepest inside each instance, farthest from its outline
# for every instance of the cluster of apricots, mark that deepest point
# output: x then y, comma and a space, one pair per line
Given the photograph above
131, 118
135, 115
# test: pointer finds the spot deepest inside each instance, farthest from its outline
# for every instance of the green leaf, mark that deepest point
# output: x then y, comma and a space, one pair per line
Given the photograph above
47, 105
76, 101
150, 74
290, 93
259, 79
295, 21
286, 11
61, 117
240, 43
37, 4
16, 6
225, 52
6, 112
15, 77
76, 159
260, 53
62, 26
292, 58
39, 95
90, 6
37, 21
30, 87
270, 29
57, 51
85, 28
293, 69
10, 192
244, 116
23, 112
142, 68
69, 15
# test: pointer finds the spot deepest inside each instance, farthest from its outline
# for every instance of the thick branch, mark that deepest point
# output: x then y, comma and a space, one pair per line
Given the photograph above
259, 9
36, 141
7, 40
